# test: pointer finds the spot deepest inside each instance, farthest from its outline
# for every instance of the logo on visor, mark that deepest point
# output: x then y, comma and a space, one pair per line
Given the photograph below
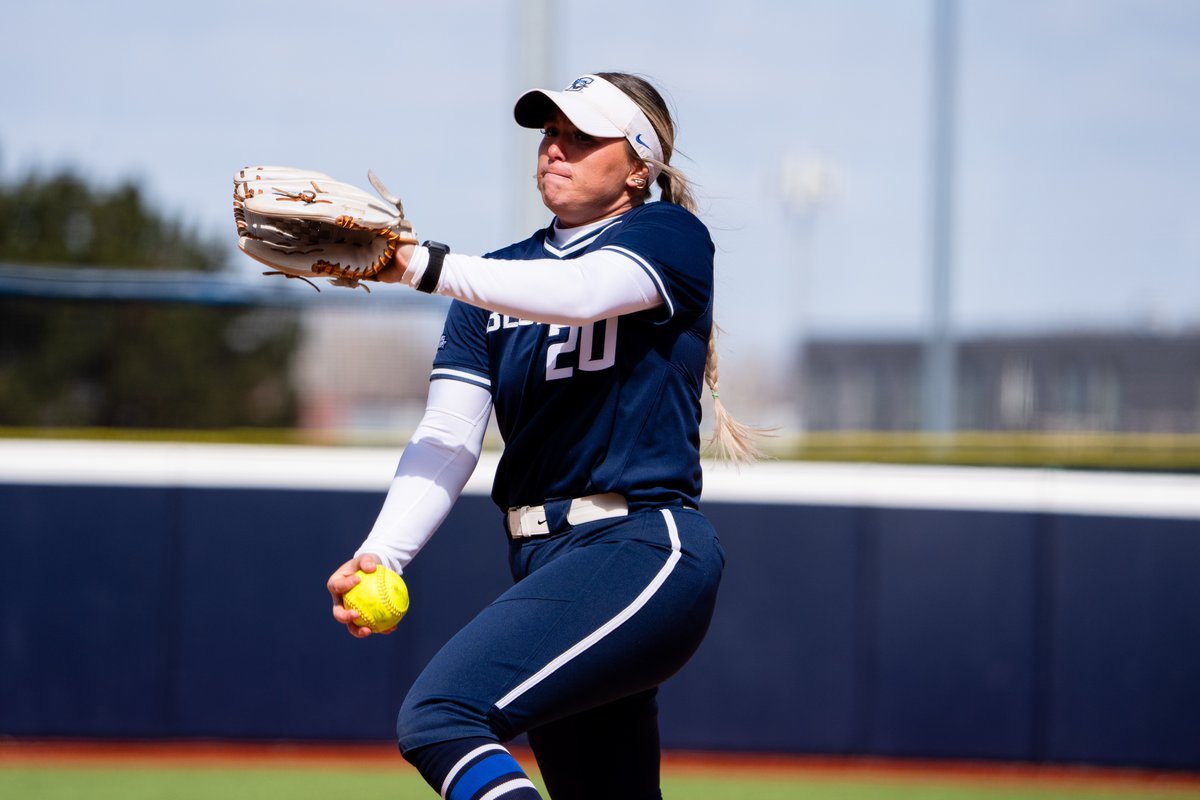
579, 84
638, 139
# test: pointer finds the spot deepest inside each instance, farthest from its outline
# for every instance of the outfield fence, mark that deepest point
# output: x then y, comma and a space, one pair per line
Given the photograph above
170, 590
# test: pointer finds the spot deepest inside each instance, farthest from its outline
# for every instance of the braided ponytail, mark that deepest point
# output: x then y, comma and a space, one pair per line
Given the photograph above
731, 440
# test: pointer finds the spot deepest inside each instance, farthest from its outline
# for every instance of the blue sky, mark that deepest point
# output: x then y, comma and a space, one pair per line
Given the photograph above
1078, 180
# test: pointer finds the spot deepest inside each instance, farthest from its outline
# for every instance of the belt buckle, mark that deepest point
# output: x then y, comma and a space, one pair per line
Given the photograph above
530, 521
534, 522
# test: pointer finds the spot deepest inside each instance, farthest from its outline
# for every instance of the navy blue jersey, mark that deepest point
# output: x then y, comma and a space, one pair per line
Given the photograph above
612, 406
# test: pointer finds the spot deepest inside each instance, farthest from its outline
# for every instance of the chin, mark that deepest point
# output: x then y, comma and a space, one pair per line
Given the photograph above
555, 204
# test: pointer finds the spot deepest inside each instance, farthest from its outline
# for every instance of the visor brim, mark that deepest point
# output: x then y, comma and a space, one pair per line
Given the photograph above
535, 107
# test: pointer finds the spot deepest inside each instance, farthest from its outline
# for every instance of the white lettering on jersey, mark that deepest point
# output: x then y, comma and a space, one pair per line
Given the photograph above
608, 355
581, 340
512, 322
558, 349
594, 348
497, 321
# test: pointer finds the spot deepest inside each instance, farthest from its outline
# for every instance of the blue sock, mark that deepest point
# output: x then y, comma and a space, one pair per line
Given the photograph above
472, 769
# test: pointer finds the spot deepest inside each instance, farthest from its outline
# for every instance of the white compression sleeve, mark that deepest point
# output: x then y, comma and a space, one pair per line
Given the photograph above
573, 291
432, 471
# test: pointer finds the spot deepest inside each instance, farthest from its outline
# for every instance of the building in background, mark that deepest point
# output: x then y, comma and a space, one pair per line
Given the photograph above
1134, 382
363, 373
366, 375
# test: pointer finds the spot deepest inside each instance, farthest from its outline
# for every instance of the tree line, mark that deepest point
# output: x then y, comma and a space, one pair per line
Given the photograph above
129, 364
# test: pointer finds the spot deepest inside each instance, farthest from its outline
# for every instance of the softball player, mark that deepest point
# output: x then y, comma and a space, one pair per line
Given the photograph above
591, 341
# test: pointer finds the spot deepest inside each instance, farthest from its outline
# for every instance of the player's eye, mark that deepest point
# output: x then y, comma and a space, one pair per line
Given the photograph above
549, 130
580, 136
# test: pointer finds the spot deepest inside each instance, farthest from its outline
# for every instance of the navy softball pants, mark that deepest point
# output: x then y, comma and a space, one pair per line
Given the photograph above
572, 654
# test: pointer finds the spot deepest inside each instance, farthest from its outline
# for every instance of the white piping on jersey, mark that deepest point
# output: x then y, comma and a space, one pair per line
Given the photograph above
577, 245
462, 762
644, 264
460, 375
604, 630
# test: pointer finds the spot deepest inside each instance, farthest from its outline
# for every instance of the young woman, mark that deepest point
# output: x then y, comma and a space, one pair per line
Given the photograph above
591, 341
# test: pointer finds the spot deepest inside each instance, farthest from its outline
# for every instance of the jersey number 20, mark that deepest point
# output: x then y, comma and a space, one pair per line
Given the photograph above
593, 354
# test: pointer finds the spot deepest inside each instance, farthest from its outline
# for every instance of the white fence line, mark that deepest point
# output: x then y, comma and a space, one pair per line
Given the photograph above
162, 464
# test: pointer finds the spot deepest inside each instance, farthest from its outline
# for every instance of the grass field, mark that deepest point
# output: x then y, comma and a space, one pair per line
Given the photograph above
263, 773
73, 783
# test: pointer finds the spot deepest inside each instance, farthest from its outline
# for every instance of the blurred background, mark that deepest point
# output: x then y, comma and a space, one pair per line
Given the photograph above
953, 233
954, 216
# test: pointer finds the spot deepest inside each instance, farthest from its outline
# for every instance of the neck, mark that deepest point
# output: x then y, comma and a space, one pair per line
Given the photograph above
561, 233
579, 222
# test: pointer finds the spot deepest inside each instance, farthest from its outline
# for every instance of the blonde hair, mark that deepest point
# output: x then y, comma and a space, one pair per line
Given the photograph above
731, 440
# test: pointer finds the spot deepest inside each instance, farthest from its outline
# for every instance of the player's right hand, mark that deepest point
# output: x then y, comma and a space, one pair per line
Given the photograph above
343, 580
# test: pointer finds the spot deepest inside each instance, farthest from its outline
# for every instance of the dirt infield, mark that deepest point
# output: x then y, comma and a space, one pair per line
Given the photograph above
383, 756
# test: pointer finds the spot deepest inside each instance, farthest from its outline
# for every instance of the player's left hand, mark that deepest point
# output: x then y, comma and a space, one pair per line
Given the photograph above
394, 271
304, 224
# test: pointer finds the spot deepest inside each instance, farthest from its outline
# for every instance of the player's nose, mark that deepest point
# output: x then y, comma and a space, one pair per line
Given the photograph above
555, 152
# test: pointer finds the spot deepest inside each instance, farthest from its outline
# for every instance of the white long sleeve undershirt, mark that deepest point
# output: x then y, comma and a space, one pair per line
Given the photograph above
432, 472
576, 291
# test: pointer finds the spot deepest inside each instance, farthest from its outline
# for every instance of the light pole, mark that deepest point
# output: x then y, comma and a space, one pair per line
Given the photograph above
939, 373
806, 184
534, 65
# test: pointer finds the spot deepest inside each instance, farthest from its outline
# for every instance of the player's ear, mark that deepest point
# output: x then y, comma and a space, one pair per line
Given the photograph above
638, 176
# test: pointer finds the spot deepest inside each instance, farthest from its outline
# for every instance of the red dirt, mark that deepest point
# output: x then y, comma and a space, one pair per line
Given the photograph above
383, 756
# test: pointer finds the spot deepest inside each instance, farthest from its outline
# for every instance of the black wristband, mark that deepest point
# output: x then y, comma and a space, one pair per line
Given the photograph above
433, 270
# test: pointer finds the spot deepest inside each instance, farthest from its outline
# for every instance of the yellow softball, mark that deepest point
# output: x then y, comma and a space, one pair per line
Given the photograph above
380, 599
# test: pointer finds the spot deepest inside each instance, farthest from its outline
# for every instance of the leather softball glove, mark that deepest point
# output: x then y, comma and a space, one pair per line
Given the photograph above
305, 224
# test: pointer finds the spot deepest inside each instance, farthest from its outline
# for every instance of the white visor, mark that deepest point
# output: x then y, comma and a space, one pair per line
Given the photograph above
598, 108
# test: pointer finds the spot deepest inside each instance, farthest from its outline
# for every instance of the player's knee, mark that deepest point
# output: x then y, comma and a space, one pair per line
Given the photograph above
416, 722
427, 720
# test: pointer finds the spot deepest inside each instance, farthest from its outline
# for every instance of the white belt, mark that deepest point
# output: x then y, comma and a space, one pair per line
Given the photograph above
526, 521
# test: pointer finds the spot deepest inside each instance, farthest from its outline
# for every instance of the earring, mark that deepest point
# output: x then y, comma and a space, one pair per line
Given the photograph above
639, 183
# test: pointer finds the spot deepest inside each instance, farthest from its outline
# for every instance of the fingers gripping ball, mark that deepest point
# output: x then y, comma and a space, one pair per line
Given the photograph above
380, 599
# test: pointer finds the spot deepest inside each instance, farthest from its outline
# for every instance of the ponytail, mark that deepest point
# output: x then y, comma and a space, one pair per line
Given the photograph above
731, 441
